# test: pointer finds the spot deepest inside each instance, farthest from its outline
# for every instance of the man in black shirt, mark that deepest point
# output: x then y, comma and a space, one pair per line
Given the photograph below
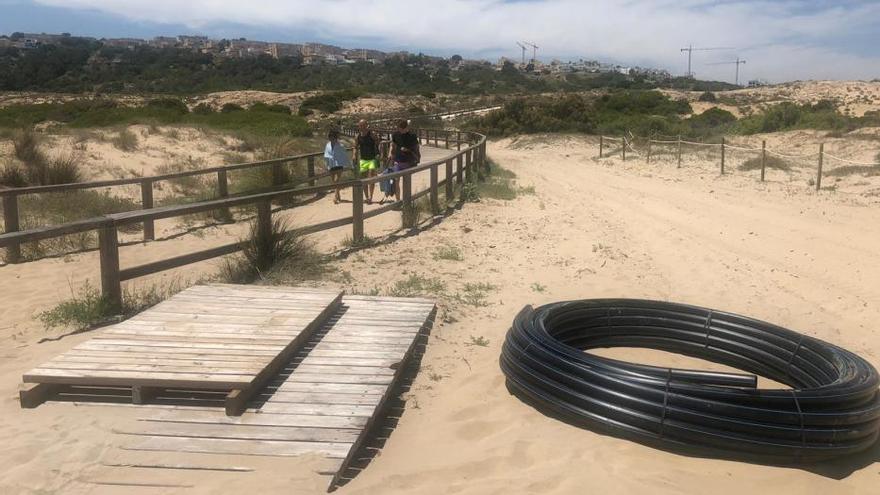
404, 151
366, 154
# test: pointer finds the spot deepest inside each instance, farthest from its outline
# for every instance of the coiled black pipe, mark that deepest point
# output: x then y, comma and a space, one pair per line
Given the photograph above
832, 409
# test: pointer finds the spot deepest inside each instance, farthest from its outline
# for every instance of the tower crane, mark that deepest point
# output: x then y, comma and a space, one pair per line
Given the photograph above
523, 52
738, 62
690, 49
534, 51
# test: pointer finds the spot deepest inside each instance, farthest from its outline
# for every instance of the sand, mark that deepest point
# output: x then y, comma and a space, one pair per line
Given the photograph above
776, 251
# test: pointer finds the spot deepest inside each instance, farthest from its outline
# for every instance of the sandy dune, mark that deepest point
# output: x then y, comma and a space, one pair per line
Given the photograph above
776, 251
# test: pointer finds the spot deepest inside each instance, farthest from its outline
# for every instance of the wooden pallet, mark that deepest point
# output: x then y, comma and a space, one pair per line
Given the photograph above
212, 337
325, 402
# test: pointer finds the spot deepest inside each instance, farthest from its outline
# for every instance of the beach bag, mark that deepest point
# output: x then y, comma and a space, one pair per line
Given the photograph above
387, 185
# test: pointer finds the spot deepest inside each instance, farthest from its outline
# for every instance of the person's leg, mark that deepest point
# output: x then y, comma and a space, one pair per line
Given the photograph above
334, 178
370, 188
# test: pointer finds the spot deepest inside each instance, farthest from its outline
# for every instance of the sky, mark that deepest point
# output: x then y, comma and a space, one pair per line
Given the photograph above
780, 40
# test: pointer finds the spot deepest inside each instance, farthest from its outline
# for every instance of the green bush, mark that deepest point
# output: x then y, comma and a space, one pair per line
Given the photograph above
125, 141
327, 102
203, 109
708, 96
171, 104
231, 107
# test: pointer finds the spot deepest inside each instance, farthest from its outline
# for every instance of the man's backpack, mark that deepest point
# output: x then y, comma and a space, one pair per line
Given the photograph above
387, 185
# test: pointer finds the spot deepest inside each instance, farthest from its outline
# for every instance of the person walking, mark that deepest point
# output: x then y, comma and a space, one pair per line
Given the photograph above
336, 159
404, 151
366, 155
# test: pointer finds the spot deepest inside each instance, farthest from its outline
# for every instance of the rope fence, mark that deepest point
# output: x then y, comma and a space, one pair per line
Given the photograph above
745, 158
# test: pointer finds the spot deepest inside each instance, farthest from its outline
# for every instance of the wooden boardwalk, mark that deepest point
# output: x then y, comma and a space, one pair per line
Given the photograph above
216, 337
324, 402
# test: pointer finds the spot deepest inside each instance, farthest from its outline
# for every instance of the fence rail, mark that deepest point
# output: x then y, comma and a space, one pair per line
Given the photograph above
459, 167
627, 143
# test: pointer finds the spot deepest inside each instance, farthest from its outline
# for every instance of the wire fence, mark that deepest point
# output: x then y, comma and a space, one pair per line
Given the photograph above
818, 169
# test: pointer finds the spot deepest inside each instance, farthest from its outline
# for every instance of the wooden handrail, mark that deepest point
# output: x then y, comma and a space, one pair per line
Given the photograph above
107, 225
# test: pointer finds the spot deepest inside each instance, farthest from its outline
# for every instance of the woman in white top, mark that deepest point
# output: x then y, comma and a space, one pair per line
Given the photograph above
336, 159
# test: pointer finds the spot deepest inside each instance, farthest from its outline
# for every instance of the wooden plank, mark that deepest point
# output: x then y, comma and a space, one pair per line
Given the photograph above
334, 450
115, 341
342, 388
240, 432
308, 367
185, 351
125, 378
323, 378
265, 419
353, 361
245, 363
324, 398
268, 341
165, 368
319, 409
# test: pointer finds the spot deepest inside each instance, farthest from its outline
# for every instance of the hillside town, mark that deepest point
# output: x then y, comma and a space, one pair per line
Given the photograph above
323, 54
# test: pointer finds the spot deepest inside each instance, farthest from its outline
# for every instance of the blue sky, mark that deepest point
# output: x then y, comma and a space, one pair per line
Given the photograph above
780, 39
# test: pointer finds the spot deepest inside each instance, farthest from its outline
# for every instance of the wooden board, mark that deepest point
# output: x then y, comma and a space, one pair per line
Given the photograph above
213, 337
333, 391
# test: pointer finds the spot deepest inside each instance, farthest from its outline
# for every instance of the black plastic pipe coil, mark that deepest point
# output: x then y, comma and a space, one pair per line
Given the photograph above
832, 409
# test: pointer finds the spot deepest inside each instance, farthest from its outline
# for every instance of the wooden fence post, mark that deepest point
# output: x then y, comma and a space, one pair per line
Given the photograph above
223, 192
458, 140
111, 285
264, 219
310, 170
11, 222
447, 139
722, 156
277, 174
407, 211
469, 165
357, 213
819, 172
623, 147
648, 158
435, 193
763, 158
459, 164
449, 180
601, 145
147, 203
679, 152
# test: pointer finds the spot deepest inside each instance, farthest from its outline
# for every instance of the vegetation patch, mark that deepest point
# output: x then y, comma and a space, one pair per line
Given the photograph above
259, 120
417, 285
327, 102
277, 256
449, 253
773, 162
87, 308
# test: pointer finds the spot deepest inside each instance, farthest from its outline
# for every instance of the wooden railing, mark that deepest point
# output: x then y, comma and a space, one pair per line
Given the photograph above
11, 204
459, 168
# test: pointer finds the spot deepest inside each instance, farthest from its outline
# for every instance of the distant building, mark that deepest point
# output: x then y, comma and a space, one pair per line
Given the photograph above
193, 42
284, 50
163, 42
129, 43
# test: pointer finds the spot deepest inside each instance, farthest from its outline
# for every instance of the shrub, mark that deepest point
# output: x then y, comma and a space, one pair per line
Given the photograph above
65, 169
707, 96
263, 107
12, 175
279, 255
126, 141
327, 102
231, 107
172, 104
773, 162
203, 109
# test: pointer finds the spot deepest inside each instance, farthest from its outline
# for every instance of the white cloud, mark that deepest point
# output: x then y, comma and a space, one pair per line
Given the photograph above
780, 39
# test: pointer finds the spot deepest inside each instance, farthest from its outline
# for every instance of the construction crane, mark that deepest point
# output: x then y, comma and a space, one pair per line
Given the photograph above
534, 51
690, 49
738, 62
523, 52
